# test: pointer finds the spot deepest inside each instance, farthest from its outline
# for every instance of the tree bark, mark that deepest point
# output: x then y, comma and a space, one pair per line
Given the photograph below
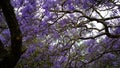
16, 36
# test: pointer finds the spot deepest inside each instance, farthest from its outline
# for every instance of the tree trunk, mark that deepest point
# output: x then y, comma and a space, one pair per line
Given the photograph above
16, 36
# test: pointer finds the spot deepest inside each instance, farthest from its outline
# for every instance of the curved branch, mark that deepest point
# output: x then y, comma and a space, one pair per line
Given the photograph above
105, 26
16, 35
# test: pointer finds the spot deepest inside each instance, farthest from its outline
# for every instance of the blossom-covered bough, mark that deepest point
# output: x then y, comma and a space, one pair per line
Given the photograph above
64, 33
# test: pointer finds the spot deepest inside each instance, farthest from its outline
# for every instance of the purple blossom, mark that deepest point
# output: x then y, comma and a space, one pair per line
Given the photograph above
49, 4
56, 64
117, 31
116, 45
71, 7
90, 42
31, 49
17, 3
64, 22
6, 32
63, 59
2, 39
56, 34
110, 56
88, 3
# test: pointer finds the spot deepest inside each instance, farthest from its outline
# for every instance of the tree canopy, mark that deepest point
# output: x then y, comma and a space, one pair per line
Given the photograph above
60, 33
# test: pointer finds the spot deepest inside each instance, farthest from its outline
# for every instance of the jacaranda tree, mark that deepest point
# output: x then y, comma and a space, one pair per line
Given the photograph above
59, 33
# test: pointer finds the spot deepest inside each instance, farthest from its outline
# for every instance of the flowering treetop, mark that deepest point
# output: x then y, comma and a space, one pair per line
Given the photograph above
67, 32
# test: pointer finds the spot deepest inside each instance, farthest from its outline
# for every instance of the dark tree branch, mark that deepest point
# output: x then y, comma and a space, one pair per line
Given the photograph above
106, 28
102, 21
16, 36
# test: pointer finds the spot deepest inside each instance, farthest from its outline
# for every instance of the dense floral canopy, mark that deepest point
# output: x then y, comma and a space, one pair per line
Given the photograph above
66, 33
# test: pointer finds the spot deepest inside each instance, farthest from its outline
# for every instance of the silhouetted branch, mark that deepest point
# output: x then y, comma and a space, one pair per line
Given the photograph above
16, 36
